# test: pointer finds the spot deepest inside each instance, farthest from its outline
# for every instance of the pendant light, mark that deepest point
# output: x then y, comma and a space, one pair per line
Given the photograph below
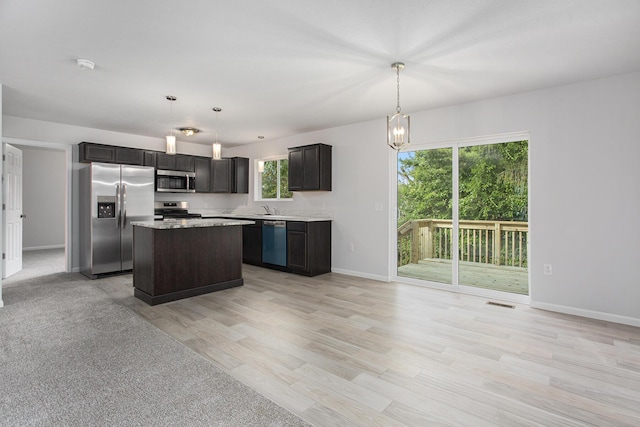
398, 125
217, 148
171, 139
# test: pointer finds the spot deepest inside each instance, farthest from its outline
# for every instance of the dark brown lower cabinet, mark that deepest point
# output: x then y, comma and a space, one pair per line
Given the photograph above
252, 243
309, 247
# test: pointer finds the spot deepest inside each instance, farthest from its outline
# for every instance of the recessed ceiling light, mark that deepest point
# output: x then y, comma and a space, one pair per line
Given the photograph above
85, 64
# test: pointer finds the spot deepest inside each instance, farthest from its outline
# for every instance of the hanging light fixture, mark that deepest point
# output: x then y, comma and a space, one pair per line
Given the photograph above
171, 139
217, 148
398, 125
189, 131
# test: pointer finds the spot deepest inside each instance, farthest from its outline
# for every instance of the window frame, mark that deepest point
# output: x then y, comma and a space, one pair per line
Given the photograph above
258, 180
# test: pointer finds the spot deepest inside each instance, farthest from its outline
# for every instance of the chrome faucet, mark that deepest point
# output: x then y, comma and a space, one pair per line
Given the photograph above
266, 208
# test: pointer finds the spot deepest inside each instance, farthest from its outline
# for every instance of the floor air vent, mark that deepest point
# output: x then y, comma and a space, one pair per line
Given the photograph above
499, 304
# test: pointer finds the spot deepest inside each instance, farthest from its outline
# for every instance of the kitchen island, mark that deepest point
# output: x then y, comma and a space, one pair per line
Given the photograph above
184, 258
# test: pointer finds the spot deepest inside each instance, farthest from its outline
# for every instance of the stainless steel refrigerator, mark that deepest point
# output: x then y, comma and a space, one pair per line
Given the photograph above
111, 197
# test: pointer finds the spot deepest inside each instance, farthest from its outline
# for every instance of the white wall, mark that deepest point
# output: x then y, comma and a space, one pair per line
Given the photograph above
584, 186
43, 190
1, 213
584, 196
360, 179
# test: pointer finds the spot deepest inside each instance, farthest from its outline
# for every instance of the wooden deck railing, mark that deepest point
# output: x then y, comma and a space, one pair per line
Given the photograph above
489, 242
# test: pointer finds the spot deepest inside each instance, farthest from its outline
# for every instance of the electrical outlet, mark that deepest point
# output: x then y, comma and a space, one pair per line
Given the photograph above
548, 269
350, 246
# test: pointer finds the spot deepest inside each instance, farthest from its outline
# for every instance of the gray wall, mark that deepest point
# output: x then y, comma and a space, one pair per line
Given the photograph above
43, 195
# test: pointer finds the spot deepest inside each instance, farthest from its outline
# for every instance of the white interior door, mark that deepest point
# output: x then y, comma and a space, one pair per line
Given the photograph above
12, 204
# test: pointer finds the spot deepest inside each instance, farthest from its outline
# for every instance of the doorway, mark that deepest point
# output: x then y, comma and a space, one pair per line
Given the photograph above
463, 216
45, 224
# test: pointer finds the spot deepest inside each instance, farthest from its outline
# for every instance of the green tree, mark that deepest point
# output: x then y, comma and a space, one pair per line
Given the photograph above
425, 184
270, 180
492, 183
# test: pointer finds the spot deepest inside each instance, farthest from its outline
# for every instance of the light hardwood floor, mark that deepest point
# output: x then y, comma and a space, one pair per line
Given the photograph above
339, 350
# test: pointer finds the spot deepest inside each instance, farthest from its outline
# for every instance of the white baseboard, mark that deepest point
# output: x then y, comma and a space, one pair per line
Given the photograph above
615, 318
361, 274
37, 248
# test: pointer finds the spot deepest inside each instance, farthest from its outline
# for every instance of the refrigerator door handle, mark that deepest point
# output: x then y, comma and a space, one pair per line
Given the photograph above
124, 205
118, 205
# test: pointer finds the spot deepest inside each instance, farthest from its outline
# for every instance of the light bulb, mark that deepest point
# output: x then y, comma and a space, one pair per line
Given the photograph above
217, 151
398, 134
171, 144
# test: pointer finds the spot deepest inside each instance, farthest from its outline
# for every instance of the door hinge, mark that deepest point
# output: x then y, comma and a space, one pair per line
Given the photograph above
3, 256
4, 157
4, 207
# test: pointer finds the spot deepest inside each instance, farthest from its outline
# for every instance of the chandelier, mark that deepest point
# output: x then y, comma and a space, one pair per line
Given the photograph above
398, 125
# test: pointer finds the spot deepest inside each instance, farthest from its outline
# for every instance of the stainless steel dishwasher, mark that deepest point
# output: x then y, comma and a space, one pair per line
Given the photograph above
274, 242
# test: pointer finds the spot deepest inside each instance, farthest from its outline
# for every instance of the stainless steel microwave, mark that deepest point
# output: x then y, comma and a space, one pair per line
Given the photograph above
175, 181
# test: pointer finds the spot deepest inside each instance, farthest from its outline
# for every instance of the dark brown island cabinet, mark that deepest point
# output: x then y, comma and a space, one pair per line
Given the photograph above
309, 247
178, 262
310, 168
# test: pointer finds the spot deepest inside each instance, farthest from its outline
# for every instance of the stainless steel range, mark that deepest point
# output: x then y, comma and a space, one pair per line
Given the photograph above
173, 210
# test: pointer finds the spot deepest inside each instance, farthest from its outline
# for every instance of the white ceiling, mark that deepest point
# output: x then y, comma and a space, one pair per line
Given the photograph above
281, 67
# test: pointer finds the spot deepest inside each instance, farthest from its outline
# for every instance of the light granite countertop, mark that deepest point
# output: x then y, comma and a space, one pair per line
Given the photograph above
190, 223
262, 216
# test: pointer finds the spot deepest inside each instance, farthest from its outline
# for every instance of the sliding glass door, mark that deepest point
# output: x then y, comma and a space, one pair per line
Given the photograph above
425, 200
463, 215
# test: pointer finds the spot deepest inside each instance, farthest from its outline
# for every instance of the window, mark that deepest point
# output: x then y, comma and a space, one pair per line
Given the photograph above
274, 181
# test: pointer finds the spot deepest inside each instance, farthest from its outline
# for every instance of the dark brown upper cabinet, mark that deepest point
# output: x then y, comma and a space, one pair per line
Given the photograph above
90, 152
239, 175
221, 176
175, 162
310, 168
203, 174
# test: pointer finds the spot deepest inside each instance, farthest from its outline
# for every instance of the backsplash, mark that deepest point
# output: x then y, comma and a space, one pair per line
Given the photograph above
247, 210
